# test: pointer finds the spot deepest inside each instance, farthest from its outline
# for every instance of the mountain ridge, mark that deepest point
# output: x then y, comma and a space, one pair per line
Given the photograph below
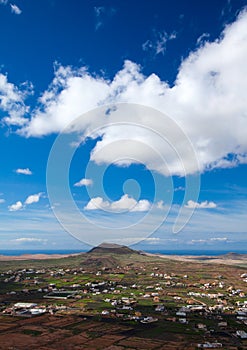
111, 248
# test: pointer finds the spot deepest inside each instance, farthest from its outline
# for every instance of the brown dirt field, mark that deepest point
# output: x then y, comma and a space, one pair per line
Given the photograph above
17, 340
7, 326
108, 327
175, 346
58, 322
102, 342
49, 338
116, 347
115, 329
33, 328
32, 320
140, 343
71, 342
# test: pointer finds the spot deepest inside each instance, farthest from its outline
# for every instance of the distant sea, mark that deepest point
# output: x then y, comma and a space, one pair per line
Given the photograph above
165, 252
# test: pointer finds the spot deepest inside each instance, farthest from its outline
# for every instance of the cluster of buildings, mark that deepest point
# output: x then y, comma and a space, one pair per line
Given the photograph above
123, 299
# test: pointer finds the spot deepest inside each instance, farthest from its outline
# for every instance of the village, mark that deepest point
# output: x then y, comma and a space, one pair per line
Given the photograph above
134, 295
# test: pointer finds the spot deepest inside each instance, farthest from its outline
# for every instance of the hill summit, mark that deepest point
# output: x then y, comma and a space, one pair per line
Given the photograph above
109, 248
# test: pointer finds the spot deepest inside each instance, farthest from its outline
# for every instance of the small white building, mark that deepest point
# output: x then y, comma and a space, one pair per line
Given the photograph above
241, 334
24, 305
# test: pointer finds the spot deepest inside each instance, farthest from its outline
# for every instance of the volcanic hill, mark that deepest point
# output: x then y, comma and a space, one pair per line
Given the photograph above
108, 248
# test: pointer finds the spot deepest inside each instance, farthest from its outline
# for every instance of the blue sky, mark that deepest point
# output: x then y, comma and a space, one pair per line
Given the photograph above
123, 121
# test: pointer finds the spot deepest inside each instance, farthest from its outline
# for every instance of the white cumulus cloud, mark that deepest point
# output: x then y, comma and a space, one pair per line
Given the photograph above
203, 205
12, 101
33, 198
25, 171
97, 203
16, 206
84, 182
209, 90
125, 203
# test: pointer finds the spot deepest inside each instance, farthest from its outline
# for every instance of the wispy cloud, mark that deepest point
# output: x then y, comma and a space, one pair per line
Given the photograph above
29, 240
158, 44
15, 9
209, 240
202, 39
160, 205
102, 14
227, 8
179, 188
25, 171
218, 239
